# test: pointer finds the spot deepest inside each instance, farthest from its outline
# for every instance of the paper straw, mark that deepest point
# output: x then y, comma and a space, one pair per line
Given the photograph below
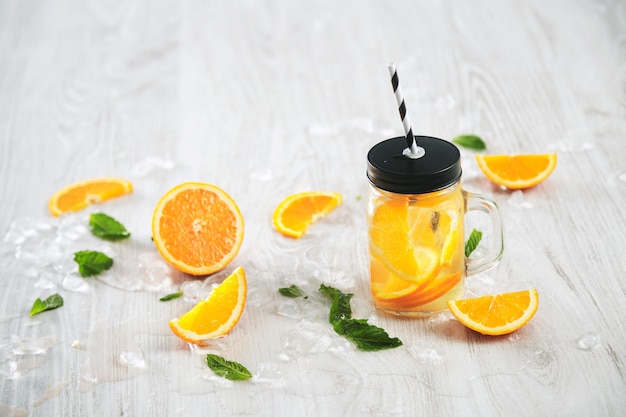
412, 149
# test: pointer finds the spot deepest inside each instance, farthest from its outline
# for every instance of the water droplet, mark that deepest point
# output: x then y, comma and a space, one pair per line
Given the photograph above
440, 318
426, 354
517, 200
479, 285
35, 346
155, 273
218, 380
269, 374
132, 358
290, 309
311, 338
589, 341
46, 281
76, 283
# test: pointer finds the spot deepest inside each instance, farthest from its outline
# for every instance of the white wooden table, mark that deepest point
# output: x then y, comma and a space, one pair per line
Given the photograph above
269, 98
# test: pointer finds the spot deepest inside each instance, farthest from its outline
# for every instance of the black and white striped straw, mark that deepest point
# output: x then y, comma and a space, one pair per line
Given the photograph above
412, 150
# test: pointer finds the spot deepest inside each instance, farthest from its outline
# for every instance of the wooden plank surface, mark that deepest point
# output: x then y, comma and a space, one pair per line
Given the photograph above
268, 98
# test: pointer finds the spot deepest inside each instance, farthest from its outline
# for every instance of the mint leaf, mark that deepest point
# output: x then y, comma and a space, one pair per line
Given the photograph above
171, 296
367, 337
470, 142
291, 292
92, 263
50, 303
472, 242
106, 227
227, 369
340, 308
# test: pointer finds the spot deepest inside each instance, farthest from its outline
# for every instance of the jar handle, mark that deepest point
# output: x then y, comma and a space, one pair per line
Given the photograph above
477, 202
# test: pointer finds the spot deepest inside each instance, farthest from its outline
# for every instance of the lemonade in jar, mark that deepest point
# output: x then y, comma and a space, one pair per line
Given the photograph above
416, 226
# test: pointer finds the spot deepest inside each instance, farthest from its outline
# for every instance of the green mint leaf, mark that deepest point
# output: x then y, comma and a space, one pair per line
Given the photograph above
340, 308
472, 242
171, 296
292, 291
50, 303
365, 336
106, 227
227, 369
92, 263
470, 142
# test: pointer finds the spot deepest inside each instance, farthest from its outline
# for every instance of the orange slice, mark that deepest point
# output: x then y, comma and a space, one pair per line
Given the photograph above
197, 228
517, 171
216, 315
396, 235
298, 211
79, 195
496, 314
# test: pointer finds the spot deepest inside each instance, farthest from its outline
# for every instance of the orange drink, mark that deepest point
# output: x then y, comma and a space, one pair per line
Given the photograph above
416, 227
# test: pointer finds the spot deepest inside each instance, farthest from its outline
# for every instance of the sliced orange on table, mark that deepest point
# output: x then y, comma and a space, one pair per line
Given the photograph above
216, 315
197, 228
496, 314
79, 195
297, 212
517, 171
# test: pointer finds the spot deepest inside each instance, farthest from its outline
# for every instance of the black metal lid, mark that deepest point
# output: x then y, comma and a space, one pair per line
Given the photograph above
390, 170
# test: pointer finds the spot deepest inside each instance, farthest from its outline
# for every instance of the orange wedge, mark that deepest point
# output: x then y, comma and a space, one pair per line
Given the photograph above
496, 314
298, 211
197, 228
79, 195
517, 171
216, 315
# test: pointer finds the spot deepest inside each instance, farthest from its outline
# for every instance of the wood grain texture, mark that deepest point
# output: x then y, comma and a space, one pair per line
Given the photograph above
269, 98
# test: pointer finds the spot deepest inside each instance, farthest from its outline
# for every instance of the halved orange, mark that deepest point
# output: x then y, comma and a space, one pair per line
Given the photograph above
517, 171
298, 211
197, 228
81, 194
216, 315
496, 314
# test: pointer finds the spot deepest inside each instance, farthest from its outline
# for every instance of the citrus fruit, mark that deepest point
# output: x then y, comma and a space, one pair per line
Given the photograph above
394, 293
496, 314
81, 194
517, 171
216, 315
298, 211
403, 240
197, 228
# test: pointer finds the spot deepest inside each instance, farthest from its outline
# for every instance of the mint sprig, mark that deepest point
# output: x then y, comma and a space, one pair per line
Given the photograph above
227, 369
365, 336
470, 142
92, 263
50, 303
472, 242
106, 227
292, 291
